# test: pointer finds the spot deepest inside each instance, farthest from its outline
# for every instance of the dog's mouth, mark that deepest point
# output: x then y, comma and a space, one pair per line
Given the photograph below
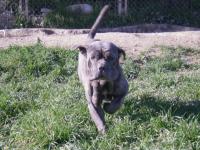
98, 76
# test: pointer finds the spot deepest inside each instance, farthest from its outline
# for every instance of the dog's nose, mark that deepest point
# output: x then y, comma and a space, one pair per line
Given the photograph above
101, 68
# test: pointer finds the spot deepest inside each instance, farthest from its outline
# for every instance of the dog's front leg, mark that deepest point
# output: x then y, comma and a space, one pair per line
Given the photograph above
114, 105
94, 105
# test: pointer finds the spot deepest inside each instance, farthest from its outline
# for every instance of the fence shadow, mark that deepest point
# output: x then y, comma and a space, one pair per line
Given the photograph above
143, 28
150, 28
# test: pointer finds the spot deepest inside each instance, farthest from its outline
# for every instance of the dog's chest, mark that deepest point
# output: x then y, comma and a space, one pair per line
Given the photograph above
106, 88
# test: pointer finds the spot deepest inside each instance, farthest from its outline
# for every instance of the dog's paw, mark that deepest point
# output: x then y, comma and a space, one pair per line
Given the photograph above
108, 108
102, 130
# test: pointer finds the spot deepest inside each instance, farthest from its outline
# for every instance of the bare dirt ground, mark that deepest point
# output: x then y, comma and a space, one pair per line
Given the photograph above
133, 43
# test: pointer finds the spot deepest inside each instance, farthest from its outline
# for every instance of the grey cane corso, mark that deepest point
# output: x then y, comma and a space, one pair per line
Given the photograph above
101, 75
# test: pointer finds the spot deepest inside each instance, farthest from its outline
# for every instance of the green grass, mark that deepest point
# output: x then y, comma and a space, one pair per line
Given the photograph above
42, 103
139, 13
185, 13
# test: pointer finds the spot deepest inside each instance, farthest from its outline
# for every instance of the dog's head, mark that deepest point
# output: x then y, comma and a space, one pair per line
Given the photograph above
102, 60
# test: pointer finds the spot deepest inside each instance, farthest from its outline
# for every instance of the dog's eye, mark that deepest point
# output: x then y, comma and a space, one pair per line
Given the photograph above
109, 58
96, 56
99, 56
93, 57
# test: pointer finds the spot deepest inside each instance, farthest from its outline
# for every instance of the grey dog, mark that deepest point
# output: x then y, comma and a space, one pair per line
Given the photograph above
101, 75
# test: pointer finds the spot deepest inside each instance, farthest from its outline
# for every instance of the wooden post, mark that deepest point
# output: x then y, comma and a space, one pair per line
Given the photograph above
26, 10
23, 8
119, 7
122, 7
125, 7
20, 6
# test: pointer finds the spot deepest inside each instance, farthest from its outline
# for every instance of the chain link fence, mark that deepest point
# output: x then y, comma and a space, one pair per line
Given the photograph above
64, 14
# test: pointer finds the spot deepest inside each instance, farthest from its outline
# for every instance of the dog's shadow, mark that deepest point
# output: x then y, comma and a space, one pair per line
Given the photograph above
149, 106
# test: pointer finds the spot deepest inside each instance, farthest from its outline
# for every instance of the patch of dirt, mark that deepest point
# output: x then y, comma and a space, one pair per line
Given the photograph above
133, 43
193, 59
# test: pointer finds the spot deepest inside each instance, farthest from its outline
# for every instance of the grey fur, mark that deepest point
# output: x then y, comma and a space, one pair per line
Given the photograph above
95, 26
101, 75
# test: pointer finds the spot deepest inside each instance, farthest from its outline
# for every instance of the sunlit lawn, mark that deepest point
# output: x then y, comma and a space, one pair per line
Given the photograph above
42, 103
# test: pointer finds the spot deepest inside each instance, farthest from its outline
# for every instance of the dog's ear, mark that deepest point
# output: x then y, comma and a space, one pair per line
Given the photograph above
121, 53
82, 49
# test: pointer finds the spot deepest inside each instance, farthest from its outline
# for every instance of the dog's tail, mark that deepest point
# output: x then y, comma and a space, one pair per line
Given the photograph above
95, 26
